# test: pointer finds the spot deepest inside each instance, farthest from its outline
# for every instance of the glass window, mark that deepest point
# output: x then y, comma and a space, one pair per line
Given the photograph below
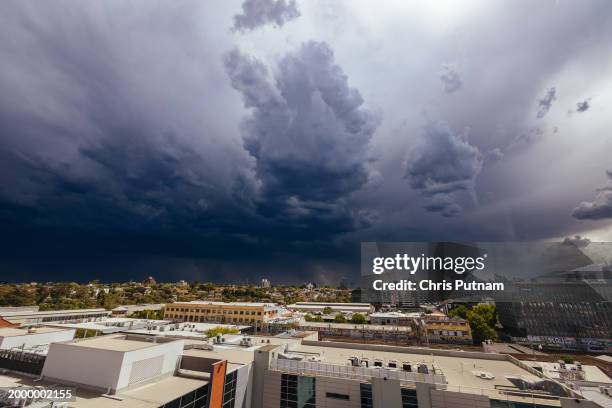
409, 398
297, 391
365, 390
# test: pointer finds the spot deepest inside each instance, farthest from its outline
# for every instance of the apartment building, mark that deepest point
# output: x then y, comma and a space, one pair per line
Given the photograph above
247, 313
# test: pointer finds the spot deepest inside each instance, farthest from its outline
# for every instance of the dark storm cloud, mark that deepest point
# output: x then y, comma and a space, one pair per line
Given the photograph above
545, 103
442, 164
308, 131
599, 208
577, 241
257, 13
450, 78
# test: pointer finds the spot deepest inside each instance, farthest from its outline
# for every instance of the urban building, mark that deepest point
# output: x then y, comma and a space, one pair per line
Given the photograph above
256, 314
33, 317
394, 318
292, 370
319, 307
363, 332
16, 338
265, 283
126, 310
440, 328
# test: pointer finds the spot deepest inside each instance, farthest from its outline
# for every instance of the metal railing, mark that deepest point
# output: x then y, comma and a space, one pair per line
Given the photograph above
315, 368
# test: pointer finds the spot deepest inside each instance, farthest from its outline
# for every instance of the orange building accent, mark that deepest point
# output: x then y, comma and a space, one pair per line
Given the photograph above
217, 384
6, 323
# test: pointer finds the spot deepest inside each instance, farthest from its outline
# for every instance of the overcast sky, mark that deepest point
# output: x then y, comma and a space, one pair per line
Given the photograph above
234, 140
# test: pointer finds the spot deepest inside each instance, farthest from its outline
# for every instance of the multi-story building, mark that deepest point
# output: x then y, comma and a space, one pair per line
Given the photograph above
440, 328
247, 313
130, 371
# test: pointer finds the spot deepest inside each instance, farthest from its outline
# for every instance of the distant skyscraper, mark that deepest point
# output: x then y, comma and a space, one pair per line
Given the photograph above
265, 283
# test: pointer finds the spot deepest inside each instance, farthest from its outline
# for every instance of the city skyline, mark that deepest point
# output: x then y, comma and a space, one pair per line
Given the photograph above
221, 142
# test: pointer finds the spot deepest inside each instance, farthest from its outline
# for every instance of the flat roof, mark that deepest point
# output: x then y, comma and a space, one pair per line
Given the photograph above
150, 395
113, 342
13, 332
215, 303
52, 312
458, 370
372, 327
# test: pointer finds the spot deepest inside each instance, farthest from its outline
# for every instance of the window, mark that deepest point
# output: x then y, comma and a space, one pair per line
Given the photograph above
365, 389
229, 390
333, 395
409, 398
297, 391
193, 399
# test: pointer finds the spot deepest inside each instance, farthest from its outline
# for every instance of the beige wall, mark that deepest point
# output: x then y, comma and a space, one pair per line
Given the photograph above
226, 313
448, 399
271, 389
337, 386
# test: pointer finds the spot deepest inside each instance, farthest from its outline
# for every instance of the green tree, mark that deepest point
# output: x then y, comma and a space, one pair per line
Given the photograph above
482, 319
339, 318
327, 310
358, 318
459, 311
221, 330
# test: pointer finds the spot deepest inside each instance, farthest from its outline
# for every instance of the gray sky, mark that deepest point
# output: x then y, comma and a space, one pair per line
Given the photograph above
270, 137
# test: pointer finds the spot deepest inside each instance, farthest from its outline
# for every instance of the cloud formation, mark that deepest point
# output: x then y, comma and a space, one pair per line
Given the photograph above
442, 164
450, 78
577, 241
545, 103
581, 107
599, 208
308, 131
258, 13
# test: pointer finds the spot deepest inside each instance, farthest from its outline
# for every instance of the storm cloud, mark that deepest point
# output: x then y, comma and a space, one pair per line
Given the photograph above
599, 208
258, 13
308, 131
441, 165
233, 140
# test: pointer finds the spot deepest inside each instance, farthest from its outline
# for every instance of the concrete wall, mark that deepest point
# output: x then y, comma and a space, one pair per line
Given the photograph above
94, 368
271, 390
261, 362
337, 386
169, 353
386, 393
580, 403
35, 339
109, 370
244, 377
449, 399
